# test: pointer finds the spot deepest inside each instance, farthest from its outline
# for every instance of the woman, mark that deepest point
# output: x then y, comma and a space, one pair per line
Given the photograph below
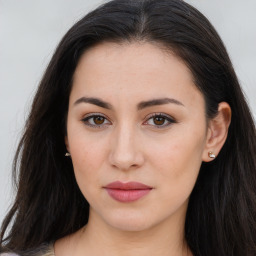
130, 147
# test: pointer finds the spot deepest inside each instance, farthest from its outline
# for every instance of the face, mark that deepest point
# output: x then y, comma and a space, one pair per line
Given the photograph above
136, 131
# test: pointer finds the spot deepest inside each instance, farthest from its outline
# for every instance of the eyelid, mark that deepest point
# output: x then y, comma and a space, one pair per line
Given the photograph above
94, 114
167, 117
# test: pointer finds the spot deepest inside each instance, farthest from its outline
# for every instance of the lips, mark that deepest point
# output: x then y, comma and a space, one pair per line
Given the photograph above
127, 192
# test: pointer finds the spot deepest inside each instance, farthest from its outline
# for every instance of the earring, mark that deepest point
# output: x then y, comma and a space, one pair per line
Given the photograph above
211, 155
67, 154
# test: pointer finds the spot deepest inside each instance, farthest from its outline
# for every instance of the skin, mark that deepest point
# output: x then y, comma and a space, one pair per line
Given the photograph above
131, 145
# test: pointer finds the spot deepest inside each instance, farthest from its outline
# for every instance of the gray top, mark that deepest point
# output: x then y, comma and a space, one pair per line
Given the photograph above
8, 254
43, 250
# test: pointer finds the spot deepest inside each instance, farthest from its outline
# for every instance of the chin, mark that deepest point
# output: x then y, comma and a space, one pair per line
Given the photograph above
131, 223
130, 226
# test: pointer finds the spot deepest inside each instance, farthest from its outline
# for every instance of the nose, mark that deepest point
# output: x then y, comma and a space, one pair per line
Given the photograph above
126, 149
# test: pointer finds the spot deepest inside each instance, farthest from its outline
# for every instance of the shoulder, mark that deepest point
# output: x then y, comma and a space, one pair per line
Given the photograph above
8, 254
43, 250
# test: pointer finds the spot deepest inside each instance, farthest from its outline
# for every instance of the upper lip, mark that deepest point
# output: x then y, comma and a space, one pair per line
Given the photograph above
133, 185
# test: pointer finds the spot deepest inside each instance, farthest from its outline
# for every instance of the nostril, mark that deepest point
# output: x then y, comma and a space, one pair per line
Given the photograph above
125, 151
126, 161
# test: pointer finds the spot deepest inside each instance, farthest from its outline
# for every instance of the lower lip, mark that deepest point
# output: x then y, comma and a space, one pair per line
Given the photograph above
127, 195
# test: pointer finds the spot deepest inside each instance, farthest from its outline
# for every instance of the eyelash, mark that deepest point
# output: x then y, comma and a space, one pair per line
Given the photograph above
91, 116
166, 118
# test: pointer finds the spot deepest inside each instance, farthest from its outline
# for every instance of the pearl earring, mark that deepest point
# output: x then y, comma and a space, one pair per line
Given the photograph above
67, 154
211, 155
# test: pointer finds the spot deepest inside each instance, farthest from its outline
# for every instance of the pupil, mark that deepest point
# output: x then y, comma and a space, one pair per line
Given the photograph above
159, 120
98, 120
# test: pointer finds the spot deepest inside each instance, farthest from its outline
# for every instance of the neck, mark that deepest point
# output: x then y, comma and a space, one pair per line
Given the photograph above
99, 238
166, 238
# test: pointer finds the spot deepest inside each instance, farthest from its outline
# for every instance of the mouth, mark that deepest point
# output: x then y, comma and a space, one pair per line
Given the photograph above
127, 192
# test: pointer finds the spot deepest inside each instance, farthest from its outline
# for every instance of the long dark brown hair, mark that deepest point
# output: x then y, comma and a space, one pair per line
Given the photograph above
221, 216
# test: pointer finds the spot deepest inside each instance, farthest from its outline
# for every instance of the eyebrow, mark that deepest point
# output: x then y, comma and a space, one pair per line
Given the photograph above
140, 106
155, 102
94, 101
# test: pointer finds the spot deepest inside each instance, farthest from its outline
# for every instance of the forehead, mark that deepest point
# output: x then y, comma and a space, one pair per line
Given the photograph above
140, 70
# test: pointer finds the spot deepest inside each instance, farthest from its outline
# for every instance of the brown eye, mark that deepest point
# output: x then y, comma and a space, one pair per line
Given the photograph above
159, 120
98, 120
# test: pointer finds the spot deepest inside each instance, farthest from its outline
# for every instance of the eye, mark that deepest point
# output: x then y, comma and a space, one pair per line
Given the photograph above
159, 120
96, 120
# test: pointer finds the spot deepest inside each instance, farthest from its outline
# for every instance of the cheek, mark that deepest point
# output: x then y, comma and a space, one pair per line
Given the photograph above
88, 156
86, 165
87, 150
179, 158
178, 165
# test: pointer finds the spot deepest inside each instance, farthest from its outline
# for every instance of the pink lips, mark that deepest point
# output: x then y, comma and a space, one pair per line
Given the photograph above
127, 192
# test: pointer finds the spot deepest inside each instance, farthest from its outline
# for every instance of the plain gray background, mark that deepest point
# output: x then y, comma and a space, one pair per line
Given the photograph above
30, 30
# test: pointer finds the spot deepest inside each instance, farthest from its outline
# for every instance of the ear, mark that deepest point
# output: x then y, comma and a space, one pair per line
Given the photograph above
217, 131
67, 143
